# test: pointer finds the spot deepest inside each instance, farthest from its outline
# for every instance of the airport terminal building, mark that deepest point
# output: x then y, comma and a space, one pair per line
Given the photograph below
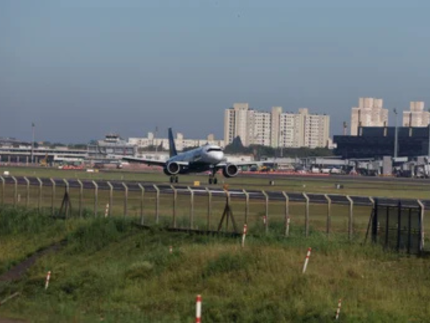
376, 142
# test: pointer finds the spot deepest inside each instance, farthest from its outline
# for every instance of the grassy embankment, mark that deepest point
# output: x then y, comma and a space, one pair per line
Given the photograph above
112, 271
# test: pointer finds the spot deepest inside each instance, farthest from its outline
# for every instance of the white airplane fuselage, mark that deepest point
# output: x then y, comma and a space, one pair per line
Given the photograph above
200, 159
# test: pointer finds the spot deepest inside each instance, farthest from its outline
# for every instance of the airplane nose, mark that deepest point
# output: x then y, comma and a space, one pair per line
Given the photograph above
216, 156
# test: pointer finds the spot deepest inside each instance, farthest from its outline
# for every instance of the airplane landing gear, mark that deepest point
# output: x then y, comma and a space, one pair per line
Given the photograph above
213, 179
173, 179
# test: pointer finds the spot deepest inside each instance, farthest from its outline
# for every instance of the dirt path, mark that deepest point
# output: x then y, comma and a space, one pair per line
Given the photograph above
5, 320
19, 270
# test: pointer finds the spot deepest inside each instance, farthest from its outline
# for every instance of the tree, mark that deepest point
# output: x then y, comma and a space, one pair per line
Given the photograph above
236, 147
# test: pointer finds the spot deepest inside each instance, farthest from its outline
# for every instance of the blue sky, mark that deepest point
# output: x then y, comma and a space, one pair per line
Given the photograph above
82, 68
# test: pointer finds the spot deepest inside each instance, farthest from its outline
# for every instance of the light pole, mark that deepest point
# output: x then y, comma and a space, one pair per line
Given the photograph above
428, 161
395, 135
155, 137
32, 144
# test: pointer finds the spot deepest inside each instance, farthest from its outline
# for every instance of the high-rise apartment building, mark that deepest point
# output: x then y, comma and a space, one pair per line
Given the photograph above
369, 113
259, 131
275, 128
236, 123
416, 117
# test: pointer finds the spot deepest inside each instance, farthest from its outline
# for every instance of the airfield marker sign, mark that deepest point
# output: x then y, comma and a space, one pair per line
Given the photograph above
339, 304
308, 254
245, 230
198, 309
48, 277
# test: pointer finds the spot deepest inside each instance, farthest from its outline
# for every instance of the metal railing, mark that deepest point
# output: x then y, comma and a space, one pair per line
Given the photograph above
281, 199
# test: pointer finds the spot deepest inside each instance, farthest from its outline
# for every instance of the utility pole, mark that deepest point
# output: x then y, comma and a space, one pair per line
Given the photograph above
155, 136
32, 144
395, 136
428, 161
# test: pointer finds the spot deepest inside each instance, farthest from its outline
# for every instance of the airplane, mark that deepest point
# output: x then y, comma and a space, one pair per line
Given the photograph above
202, 159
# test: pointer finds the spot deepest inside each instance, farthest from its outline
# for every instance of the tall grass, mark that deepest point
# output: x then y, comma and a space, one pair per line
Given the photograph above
111, 271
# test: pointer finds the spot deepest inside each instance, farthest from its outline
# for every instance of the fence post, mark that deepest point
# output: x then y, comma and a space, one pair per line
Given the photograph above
306, 215
191, 207
351, 216
246, 206
175, 197
39, 203
125, 199
96, 198
287, 214
422, 225
67, 191
266, 211
328, 214
157, 204
2, 189
27, 201
142, 189
110, 198
15, 190
227, 195
372, 214
67, 185
52, 197
209, 207
81, 198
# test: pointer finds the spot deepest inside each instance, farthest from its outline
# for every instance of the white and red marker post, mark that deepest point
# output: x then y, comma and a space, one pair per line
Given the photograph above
245, 231
107, 210
339, 304
170, 249
308, 255
199, 308
264, 219
48, 277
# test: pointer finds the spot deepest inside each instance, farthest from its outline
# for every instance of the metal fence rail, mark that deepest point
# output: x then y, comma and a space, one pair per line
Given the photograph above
265, 199
184, 190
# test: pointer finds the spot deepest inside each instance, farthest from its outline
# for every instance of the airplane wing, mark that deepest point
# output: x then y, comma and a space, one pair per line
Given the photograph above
144, 161
152, 162
240, 164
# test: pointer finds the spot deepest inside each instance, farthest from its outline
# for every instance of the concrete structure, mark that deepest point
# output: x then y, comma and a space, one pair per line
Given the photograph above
369, 113
416, 116
180, 142
258, 128
236, 123
276, 129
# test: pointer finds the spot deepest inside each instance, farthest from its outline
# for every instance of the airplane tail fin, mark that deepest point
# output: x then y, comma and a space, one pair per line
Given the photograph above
172, 147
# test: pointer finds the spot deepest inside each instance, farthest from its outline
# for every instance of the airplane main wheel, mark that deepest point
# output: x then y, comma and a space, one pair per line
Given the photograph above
215, 181
210, 181
176, 179
171, 179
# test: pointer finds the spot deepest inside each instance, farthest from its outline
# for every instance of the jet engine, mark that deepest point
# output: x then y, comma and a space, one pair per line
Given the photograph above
230, 170
172, 168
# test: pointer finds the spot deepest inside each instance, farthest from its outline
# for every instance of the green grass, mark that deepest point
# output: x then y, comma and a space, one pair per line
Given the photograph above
111, 271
